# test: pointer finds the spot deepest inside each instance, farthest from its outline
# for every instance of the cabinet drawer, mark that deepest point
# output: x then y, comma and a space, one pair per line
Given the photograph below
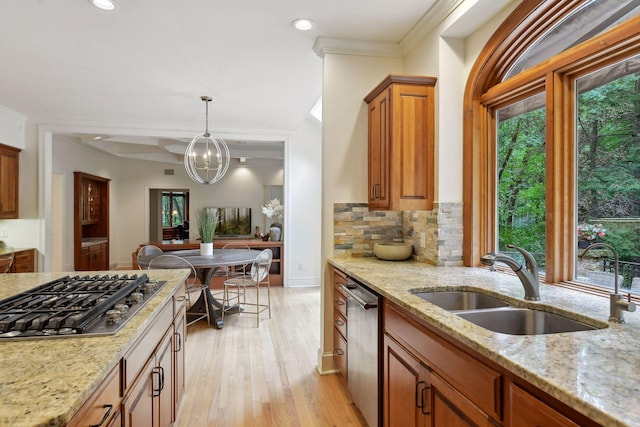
339, 301
136, 358
23, 262
105, 400
340, 323
340, 353
479, 383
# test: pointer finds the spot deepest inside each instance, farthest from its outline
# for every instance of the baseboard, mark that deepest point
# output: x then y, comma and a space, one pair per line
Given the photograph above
325, 363
303, 282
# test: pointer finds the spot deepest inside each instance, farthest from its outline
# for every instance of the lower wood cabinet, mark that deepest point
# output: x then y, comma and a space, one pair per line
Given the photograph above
525, 410
340, 344
150, 402
24, 261
415, 395
94, 257
437, 382
103, 407
147, 386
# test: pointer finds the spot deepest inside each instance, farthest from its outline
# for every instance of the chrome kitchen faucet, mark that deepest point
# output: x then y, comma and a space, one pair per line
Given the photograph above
617, 304
528, 277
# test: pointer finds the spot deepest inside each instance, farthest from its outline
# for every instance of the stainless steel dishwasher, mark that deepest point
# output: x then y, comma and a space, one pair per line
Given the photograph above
363, 364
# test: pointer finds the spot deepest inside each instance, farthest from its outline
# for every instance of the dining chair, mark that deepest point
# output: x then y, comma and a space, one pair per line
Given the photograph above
146, 251
6, 260
193, 287
235, 288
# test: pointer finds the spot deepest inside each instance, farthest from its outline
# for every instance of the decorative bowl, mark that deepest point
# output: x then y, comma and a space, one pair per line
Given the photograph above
393, 251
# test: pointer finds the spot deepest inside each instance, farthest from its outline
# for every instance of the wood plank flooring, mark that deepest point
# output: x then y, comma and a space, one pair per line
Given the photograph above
241, 375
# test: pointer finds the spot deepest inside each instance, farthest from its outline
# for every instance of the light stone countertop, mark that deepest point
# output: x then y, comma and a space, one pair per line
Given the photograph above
45, 382
596, 372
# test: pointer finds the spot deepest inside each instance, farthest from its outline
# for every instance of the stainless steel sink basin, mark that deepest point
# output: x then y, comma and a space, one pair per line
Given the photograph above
523, 321
462, 300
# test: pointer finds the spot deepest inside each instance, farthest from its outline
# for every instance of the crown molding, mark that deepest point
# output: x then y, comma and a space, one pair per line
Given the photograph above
429, 21
324, 45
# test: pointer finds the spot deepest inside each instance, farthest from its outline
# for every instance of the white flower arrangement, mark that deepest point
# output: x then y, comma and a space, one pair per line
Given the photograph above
273, 209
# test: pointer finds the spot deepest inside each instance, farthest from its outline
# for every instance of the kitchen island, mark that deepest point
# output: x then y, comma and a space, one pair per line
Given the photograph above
596, 372
45, 382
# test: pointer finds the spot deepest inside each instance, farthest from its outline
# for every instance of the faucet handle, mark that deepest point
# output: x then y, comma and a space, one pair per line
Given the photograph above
530, 261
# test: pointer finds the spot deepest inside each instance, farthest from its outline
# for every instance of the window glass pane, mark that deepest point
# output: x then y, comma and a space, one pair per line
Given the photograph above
521, 177
608, 173
589, 20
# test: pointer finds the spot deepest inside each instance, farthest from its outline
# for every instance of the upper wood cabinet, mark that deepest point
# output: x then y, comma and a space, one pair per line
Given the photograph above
9, 172
401, 143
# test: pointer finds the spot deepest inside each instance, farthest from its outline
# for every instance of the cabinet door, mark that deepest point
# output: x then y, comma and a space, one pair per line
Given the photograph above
138, 407
9, 182
404, 388
164, 401
379, 155
449, 408
527, 411
179, 362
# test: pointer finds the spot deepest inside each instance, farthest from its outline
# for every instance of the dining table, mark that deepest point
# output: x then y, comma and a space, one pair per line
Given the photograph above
206, 268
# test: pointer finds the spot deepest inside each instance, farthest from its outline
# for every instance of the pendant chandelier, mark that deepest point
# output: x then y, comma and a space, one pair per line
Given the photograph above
207, 157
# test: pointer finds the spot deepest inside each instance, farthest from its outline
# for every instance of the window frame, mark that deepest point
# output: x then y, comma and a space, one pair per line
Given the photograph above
486, 92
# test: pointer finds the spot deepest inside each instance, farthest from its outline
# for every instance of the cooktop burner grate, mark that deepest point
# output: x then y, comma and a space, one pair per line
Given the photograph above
88, 305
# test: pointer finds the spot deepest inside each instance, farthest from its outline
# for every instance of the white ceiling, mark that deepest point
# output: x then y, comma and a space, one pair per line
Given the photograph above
146, 64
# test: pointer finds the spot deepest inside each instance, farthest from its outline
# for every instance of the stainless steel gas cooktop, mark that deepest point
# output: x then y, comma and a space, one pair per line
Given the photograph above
75, 306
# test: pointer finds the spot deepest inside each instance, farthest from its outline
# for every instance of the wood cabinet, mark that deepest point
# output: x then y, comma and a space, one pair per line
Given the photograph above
150, 402
401, 143
9, 174
525, 410
340, 343
433, 384
146, 387
430, 379
24, 261
91, 222
103, 405
94, 257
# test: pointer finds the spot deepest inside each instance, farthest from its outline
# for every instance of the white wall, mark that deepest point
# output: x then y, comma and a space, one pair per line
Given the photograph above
347, 79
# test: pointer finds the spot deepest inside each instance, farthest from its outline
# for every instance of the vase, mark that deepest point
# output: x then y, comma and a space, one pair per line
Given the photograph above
206, 249
275, 231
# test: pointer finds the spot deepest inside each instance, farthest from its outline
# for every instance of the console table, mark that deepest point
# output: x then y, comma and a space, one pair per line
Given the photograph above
277, 265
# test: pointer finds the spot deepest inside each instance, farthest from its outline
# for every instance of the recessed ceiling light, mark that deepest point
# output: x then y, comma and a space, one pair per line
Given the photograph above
104, 4
302, 24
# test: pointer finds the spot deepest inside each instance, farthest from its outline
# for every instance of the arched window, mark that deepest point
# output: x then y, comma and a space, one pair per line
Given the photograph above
552, 136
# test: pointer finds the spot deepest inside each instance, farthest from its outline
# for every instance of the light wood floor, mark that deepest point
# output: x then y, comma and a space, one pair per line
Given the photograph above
241, 375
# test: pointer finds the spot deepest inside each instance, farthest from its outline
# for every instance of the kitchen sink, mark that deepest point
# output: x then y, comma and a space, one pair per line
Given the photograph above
497, 315
523, 321
461, 300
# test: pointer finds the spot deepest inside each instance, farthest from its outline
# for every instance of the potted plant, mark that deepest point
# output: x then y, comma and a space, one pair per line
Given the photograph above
207, 222
590, 233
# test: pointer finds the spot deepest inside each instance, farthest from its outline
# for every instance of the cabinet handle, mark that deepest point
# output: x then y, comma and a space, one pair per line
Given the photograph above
339, 322
179, 342
109, 408
160, 372
339, 302
420, 404
339, 351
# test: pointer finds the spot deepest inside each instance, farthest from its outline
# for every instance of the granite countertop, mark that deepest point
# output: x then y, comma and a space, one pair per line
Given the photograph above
596, 372
45, 382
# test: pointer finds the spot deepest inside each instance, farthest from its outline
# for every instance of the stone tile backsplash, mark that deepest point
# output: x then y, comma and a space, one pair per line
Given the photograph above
436, 235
